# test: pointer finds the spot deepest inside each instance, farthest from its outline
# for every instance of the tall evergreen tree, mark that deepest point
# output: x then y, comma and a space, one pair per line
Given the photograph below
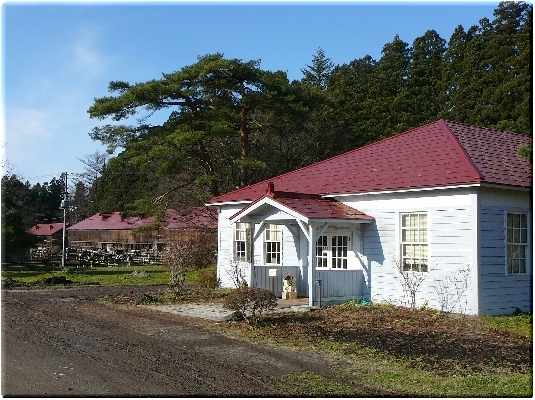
424, 90
317, 74
385, 106
16, 218
460, 69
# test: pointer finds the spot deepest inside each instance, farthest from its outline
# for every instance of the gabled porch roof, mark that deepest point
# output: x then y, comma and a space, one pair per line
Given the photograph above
303, 207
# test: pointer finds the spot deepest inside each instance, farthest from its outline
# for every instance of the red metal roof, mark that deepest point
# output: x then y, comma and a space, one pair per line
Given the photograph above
45, 229
494, 153
310, 206
434, 155
322, 209
110, 220
192, 217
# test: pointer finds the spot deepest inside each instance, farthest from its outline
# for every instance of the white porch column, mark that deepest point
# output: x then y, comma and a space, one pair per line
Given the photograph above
252, 276
311, 263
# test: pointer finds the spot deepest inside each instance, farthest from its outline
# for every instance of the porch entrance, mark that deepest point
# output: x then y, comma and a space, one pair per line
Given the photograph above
262, 279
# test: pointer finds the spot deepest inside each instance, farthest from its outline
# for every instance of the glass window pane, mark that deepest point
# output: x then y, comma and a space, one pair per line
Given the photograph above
423, 220
521, 252
509, 235
510, 251
522, 266
524, 236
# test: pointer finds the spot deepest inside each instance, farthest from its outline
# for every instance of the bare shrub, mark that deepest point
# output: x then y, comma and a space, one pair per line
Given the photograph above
251, 302
184, 255
207, 278
451, 289
237, 272
204, 252
411, 280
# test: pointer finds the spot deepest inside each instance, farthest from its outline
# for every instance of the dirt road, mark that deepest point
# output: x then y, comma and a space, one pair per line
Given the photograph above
63, 343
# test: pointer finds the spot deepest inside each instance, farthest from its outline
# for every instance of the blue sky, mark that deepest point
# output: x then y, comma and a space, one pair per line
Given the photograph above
58, 57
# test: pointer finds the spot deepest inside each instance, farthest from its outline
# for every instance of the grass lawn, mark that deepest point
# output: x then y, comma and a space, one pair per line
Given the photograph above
106, 276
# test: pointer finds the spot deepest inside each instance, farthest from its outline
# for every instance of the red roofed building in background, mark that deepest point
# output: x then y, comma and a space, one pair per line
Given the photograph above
445, 200
113, 232
50, 235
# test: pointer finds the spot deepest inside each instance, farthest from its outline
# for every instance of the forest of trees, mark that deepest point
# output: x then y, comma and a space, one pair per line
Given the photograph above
228, 123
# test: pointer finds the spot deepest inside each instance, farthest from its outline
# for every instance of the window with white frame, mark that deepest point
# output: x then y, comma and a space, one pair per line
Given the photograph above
517, 242
240, 241
273, 244
322, 252
331, 251
414, 244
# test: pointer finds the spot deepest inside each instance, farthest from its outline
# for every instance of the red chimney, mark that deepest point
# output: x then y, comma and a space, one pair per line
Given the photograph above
270, 189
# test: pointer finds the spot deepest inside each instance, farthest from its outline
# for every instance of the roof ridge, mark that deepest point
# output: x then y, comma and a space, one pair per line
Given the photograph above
461, 147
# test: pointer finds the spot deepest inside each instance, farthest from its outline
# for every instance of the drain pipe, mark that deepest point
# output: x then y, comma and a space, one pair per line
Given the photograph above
318, 281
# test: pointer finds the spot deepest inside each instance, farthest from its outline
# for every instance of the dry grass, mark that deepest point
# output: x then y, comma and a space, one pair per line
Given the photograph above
427, 339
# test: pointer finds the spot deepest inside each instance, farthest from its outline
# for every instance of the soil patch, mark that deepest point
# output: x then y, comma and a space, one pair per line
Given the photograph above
428, 339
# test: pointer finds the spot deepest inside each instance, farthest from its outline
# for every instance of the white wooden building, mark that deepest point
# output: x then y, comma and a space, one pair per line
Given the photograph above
446, 200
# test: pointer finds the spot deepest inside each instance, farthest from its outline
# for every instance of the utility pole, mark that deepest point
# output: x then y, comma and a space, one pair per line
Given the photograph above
64, 205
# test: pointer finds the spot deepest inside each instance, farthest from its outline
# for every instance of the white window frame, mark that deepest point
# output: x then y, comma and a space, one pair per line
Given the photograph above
272, 240
240, 248
331, 256
516, 236
414, 242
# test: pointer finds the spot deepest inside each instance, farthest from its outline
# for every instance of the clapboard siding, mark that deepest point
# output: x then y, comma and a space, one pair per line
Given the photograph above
499, 293
451, 234
225, 246
336, 285
344, 284
263, 280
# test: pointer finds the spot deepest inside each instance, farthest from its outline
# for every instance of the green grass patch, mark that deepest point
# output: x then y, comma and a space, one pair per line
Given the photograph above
521, 323
107, 276
309, 384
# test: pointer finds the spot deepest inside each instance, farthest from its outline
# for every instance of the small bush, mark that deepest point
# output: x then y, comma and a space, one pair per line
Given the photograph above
184, 255
251, 302
207, 278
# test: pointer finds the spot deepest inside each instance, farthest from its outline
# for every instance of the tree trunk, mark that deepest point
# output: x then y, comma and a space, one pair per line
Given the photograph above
244, 134
209, 168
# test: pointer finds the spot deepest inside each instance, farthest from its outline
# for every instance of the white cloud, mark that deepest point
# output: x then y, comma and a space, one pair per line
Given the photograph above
26, 128
37, 89
46, 120
87, 60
